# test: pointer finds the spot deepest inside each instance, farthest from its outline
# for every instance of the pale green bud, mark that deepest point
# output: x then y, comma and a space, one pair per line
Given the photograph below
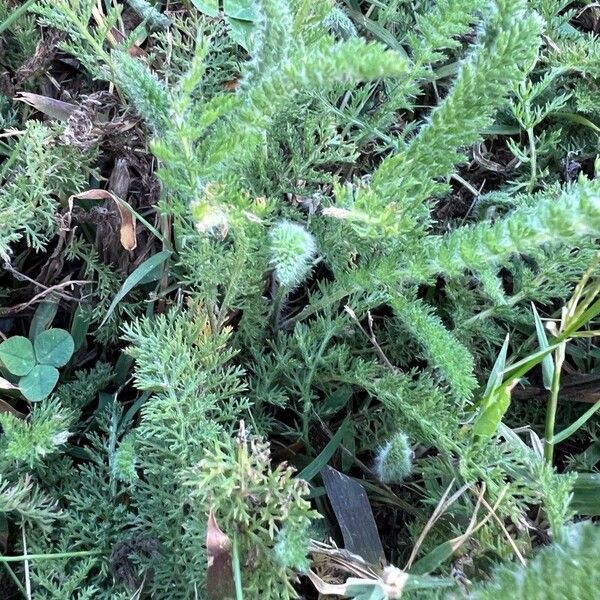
393, 463
292, 251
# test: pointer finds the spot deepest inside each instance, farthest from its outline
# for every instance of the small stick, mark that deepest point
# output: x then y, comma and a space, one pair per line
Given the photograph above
371, 337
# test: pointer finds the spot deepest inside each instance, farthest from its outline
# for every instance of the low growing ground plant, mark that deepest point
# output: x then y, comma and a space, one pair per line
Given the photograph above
299, 297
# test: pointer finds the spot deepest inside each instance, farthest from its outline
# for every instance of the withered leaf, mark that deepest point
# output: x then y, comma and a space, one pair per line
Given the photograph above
355, 517
128, 237
5, 407
6, 385
55, 109
219, 578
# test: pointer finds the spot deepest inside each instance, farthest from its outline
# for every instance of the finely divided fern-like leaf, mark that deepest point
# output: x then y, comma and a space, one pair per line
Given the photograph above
507, 47
145, 91
568, 569
447, 355
574, 216
439, 28
271, 39
315, 68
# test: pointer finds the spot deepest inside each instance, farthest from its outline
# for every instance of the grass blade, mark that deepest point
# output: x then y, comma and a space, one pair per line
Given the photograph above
323, 457
134, 279
547, 362
571, 429
495, 378
354, 515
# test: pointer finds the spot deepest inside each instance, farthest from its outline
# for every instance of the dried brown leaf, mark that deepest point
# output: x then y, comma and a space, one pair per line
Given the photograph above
219, 579
55, 109
128, 236
44, 54
5, 407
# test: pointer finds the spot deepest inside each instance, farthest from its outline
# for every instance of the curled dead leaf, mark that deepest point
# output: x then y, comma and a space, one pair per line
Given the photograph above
127, 231
389, 586
364, 580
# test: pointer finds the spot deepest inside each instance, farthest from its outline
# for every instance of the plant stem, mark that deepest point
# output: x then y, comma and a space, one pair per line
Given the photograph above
559, 357
15, 579
22, 557
26, 565
278, 300
311, 309
237, 574
15, 14
533, 154
112, 446
490, 312
306, 396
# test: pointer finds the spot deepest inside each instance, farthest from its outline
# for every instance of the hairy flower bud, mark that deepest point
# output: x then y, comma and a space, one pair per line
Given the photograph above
292, 251
393, 463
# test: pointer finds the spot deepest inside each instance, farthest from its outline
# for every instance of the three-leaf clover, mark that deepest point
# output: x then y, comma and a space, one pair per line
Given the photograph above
36, 364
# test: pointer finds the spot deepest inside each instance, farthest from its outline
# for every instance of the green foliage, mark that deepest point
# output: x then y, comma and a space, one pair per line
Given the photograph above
439, 28
233, 478
20, 37
291, 547
229, 127
154, 18
309, 261
39, 382
507, 48
17, 355
147, 93
54, 347
571, 216
24, 501
30, 442
241, 17
45, 172
125, 460
36, 364
84, 42
564, 569
446, 353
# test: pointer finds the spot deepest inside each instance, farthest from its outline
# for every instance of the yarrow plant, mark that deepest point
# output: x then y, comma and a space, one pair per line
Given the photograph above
335, 214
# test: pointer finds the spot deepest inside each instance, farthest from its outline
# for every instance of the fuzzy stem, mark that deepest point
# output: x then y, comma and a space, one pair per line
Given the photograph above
278, 301
490, 312
311, 309
165, 227
306, 396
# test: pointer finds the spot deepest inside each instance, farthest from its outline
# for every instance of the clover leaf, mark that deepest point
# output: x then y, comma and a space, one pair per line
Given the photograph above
17, 356
39, 382
54, 347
